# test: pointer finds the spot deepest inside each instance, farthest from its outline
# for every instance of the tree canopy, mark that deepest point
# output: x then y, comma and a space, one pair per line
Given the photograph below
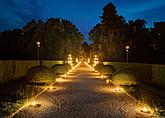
112, 34
57, 37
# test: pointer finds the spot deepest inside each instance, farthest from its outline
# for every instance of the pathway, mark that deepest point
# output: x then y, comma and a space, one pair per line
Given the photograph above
82, 95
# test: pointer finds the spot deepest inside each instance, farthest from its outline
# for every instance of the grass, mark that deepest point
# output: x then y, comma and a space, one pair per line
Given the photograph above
142, 95
12, 100
17, 92
153, 75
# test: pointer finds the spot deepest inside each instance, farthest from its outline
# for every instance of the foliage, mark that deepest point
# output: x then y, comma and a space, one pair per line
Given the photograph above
87, 50
110, 37
108, 69
158, 75
40, 74
61, 68
57, 37
107, 35
123, 78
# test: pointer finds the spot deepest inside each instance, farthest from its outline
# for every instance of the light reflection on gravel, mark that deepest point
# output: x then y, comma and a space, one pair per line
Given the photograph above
82, 95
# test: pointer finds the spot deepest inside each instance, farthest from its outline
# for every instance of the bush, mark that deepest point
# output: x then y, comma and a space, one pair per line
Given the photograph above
125, 77
40, 74
61, 68
107, 69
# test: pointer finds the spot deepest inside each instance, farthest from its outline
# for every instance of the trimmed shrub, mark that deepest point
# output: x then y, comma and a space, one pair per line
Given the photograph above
107, 69
40, 74
61, 68
125, 77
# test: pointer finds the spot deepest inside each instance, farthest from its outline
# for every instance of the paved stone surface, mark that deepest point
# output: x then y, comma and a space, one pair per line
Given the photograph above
82, 95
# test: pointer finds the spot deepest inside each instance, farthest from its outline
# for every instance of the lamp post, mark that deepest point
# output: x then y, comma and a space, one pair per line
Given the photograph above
38, 51
127, 49
96, 60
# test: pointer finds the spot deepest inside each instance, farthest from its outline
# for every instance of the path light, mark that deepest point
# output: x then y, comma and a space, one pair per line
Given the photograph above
102, 76
107, 81
145, 110
65, 75
33, 104
96, 60
88, 60
50, 87
76, 60
118, 89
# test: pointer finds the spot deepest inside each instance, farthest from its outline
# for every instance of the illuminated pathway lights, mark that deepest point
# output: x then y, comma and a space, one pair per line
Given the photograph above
35, 104
145, 109
118, 89
82, 94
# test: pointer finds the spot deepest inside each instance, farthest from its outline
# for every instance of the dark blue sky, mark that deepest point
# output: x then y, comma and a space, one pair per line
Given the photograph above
83, 13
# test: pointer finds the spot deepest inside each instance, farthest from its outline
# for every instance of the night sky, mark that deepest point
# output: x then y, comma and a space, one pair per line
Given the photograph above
83, 13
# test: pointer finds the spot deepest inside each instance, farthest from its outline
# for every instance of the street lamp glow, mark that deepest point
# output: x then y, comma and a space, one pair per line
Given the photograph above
38, 44
127, 49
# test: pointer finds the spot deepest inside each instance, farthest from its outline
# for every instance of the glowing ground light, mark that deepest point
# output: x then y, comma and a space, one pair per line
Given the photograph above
107, 81
65, 75
118, 89
102, 76
51, 88
34, 104
145, 110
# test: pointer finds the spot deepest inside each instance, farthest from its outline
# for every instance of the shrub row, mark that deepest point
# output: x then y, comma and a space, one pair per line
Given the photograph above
147, 73
16, 92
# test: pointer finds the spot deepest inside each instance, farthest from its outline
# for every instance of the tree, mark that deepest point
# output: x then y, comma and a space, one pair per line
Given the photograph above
87, 49
58, 38
138, 40
157, 36
108, 35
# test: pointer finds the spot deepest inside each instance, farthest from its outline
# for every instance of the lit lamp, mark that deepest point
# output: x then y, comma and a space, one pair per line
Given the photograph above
118, 89
34, 104
38, 51
70, 60
146, 109
127, 49
88, 60
107, 81
102, 76
76, 60
50, 87
96, 60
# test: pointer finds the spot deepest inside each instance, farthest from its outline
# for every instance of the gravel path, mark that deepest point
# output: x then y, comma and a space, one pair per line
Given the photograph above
82, 95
